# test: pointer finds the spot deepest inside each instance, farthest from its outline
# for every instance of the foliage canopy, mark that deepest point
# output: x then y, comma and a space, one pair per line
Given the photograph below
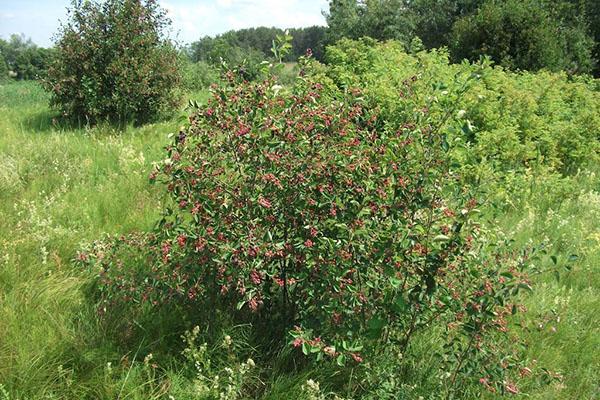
114, 62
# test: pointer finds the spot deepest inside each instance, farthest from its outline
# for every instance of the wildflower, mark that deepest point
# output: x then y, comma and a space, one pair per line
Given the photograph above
511, 388
330, 351
148, 358
255, 277
264, 202
356, 357
308, 243
313, 385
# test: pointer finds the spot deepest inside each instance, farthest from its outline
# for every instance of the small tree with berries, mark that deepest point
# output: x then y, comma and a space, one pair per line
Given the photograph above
114, 63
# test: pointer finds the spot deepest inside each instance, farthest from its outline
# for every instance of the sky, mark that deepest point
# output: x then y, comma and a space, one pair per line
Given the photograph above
192, 19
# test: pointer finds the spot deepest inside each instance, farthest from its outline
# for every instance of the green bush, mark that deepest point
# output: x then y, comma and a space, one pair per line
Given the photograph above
339, 229
3, 70
199, 75
522, 34
511, 122
24, 58
114, 63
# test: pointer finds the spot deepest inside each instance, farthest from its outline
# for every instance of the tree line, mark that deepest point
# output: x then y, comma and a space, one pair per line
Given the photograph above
20, 58
516, 34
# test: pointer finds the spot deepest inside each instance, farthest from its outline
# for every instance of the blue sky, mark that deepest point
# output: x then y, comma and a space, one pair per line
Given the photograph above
192, 19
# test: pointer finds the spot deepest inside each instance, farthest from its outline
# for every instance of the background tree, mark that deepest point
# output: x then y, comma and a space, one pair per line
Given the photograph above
114, 62
388, 19
533, 34
234, 46
433, 19
3, 68
312, 37
522, 34
24, 58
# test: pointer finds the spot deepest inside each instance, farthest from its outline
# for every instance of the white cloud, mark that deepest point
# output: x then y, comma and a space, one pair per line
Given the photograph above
194, 20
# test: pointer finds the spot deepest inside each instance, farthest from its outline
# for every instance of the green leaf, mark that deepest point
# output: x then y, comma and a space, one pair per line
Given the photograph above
376, 326
441, 238
305, 348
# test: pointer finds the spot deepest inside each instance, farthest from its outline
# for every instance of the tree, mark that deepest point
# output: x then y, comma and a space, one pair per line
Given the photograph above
433, 19
3, 68
522, 34
387, 19
114, 62
312, 37
529, 34
24, 58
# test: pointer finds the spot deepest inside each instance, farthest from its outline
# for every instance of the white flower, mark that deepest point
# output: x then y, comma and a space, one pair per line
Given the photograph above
313, 385
148, 358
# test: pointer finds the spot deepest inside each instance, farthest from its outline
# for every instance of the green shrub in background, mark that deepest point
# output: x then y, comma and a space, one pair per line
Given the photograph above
199, 75
114, 63
24, 58
3, 70
522, 34
510, 122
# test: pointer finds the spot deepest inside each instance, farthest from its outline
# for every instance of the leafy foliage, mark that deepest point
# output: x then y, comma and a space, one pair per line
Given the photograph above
316, 215
23, 58
199, 75
254, 45
509, 122
522, 35
114, 63
532, 34
376, 19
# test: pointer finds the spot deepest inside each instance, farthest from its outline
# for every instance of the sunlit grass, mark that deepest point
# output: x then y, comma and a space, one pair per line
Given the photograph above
64, 186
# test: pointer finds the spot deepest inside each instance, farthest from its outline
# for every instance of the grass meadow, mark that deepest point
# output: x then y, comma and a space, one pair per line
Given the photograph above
62, 187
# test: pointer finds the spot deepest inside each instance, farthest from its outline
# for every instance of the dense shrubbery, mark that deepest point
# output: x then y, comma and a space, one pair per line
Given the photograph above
511, 123
23, 59
521, 34
532, 34
343, 229
114, 63
342, 212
